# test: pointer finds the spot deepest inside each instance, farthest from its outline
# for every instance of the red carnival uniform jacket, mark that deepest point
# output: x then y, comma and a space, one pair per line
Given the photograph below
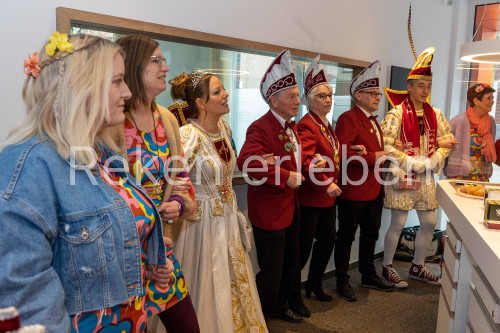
354, 128
271, 206
317, 138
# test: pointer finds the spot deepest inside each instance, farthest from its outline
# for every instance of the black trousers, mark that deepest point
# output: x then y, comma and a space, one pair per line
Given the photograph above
315, 223
367, 215
278, 258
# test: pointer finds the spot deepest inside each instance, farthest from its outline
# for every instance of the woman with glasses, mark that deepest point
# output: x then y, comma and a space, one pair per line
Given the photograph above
149, 138
214, 243
317, 194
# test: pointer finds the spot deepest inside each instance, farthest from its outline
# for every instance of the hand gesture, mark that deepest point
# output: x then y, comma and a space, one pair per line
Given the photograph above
361, 150
182, 185
270, 159
398, 145
448, 143
380, 155
333, 190
294, 180
418, 166
321, 163
169, 210
162, 276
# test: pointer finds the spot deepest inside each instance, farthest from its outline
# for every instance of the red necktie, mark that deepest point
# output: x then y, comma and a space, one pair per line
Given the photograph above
289, 124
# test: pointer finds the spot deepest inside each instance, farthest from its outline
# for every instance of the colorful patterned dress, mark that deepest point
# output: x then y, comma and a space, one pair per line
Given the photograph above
477, 160
132, 316
148, 155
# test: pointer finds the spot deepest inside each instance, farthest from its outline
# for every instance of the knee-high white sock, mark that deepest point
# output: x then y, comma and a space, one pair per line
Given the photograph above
428, 221
398, 220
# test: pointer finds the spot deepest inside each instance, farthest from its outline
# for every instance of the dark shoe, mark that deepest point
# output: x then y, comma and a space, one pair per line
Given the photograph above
377, 283
297, 305
346, 292
291, 317
317, 288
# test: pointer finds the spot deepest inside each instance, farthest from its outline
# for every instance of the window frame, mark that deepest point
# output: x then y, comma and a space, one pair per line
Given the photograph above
66, 17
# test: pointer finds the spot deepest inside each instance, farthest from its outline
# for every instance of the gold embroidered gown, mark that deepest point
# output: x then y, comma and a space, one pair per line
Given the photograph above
209, 245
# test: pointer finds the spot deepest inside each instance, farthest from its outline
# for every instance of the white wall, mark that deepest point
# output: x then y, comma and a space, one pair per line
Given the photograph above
359, 29
365, 30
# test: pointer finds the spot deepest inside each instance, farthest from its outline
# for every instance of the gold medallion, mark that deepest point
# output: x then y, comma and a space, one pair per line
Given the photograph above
158, 187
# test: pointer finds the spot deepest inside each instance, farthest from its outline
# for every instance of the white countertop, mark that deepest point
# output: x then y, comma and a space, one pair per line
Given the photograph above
466, 215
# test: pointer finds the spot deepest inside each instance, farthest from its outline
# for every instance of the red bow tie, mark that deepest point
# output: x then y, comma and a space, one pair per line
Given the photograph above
289, 124
372, 117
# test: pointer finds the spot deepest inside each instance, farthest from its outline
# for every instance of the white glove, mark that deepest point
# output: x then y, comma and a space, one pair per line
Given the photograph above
418, 166
436, 159
408, 161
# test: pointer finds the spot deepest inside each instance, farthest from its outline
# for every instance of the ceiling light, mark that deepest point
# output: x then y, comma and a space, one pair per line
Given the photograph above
484, 51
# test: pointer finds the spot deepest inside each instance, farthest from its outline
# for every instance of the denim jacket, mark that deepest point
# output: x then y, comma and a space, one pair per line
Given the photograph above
66, 249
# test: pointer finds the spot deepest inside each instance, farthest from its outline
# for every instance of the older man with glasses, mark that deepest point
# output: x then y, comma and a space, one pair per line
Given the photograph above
361, 201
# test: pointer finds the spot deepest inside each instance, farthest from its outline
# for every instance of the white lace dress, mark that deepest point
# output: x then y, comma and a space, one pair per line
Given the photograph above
209, 245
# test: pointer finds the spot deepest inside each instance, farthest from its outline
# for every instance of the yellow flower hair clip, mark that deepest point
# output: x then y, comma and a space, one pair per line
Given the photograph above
58, 42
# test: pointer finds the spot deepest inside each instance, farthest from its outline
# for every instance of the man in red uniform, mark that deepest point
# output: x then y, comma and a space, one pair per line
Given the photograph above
361, 201
273, 205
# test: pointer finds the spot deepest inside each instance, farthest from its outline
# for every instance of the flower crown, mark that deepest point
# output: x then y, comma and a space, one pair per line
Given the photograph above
58, 42
31, 66
480, 87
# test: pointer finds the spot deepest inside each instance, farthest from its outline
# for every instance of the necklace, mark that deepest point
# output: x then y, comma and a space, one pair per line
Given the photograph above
159, 182
221, 148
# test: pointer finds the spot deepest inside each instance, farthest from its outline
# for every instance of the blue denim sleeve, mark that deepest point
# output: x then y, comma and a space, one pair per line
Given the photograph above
27, 279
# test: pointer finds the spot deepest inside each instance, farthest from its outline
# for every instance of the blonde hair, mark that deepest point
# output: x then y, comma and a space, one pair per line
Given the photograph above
69, 101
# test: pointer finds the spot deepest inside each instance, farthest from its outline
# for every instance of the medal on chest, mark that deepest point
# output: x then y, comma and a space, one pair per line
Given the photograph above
285, 141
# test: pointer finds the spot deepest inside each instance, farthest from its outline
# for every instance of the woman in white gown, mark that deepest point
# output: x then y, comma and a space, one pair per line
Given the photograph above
213, 244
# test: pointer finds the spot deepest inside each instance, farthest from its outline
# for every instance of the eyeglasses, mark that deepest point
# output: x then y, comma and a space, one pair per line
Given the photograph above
159, 60
324, 96
374, 94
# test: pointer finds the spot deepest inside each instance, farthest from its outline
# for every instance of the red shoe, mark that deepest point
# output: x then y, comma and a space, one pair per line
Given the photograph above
390, 274
420, 272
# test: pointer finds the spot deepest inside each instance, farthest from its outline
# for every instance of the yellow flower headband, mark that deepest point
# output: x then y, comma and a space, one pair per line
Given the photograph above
58, 42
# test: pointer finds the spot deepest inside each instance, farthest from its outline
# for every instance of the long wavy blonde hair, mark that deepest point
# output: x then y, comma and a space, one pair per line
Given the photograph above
69, 100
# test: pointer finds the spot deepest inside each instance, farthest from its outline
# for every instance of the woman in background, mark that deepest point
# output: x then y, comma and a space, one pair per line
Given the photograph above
475, 130
149, 138
213, 244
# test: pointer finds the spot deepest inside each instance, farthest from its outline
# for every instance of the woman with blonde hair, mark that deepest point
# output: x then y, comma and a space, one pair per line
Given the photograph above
149, 139
213, 244
77, 231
